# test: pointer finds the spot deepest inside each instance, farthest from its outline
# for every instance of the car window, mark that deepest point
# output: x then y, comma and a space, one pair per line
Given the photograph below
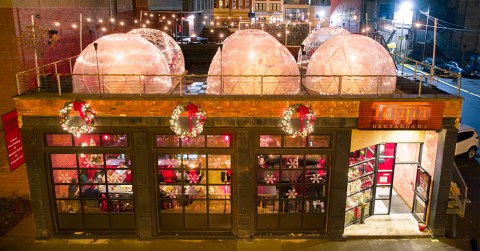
464, 135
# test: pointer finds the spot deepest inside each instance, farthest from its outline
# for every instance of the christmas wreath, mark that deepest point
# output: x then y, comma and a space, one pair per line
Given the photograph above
305, 114
85, 113
196, 120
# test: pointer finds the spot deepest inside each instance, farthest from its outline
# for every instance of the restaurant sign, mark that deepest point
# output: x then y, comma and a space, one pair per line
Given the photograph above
401, 115
13, 140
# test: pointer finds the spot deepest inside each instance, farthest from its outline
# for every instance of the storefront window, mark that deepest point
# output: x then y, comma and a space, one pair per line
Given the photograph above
102, 183
270, 140
198, 141
291, 183
88, 140
59, 139
191, 183
194, 189
322, 141
218, 140
168, 141
295, 142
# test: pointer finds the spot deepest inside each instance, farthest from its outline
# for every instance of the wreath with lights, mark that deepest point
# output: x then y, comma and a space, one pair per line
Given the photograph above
86, 115
195, 127
305, 114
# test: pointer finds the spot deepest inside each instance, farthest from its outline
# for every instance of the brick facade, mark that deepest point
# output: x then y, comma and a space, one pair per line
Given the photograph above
12, 182
214, 106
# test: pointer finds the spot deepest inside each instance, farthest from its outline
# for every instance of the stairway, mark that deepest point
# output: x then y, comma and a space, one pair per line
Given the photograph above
458, 194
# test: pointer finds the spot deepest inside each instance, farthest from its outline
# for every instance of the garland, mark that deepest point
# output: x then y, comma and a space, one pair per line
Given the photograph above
193, 111
85, 113
305, 114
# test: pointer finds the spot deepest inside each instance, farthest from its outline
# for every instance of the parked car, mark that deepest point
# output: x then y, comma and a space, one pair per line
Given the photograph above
467, 142
195, 40
441, 65
471, 72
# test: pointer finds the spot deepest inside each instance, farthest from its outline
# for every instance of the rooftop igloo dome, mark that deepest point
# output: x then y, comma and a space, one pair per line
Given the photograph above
253, 52
351, 55
167, 45
316, 38
121, 54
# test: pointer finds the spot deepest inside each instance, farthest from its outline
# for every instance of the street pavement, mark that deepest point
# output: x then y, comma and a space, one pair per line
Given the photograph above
22, 237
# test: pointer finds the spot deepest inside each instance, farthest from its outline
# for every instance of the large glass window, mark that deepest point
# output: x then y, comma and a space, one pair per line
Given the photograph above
92, 190
291, 183
102, 183
194, 185
292, 177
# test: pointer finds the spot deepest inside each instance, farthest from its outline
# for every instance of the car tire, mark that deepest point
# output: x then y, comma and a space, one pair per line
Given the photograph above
471, 152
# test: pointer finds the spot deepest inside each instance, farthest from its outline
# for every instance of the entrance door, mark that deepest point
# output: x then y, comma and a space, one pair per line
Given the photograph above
422, 190
384, 185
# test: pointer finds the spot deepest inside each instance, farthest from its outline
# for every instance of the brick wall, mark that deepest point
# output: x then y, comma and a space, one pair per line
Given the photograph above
11, 182
214, 106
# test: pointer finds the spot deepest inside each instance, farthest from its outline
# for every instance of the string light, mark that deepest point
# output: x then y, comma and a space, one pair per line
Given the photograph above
74, 26
112, 20
57, 24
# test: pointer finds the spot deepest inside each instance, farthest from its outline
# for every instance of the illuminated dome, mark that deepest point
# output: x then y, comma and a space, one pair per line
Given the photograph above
253, 52
351, 55
316, 38
167, 45
121, 54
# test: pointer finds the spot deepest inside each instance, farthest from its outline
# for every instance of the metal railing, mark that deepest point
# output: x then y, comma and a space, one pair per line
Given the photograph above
458, 194
58, 77
431, 79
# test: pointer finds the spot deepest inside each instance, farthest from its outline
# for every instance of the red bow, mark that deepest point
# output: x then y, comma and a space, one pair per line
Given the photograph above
192, 111
303, 110
77, 106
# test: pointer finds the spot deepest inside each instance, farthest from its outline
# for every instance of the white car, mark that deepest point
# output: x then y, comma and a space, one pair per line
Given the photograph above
467, 142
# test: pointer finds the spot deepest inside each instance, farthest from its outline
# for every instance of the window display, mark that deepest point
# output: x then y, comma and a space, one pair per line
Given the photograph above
291, 183
195, 183
360, 183
90, 183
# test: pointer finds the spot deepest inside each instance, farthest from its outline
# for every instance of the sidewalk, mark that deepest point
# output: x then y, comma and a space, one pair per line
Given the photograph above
22, 237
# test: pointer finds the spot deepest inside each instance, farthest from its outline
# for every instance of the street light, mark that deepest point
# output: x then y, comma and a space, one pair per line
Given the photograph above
405, 10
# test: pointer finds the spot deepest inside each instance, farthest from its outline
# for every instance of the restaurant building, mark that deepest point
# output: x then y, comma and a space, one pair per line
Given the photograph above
243, 176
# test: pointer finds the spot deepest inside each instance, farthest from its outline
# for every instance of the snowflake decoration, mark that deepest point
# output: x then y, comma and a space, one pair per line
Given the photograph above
291, 193
293, 163
89, 162
270, 179
172, 194
65, 178
315, 178
193, 178
217, 162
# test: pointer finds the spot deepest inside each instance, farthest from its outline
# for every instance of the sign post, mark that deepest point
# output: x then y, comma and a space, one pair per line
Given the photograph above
13, 140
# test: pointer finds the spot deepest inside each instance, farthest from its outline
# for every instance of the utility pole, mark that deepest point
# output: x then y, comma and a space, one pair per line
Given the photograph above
432, 69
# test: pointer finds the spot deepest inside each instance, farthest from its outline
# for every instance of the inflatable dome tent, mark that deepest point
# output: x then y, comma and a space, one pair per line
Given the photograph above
253, 52
317, 38
131, 57
353, 55
167, 45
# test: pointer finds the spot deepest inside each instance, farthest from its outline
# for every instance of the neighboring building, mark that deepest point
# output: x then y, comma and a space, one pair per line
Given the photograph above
347, 14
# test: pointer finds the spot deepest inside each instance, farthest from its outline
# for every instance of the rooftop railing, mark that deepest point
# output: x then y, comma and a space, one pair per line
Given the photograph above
57, 77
